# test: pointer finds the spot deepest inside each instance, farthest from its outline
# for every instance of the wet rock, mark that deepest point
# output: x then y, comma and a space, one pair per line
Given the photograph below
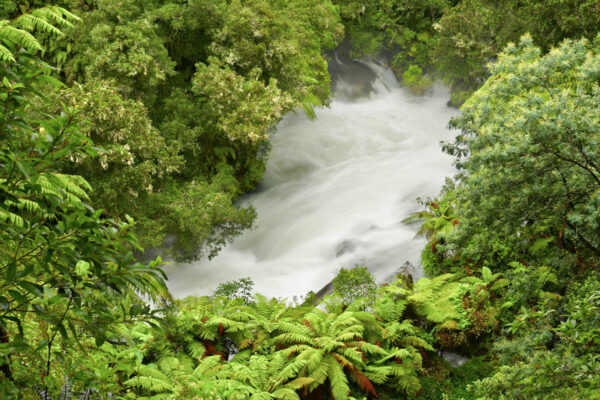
325, 290
454, 359
346, 246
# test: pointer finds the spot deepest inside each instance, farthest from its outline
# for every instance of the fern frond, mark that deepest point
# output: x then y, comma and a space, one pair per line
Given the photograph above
149, 384
282, 368
314, 357
207, 365
395, 353
350, 333
319, 374
343, 361
13, 219
378, 374
300, 349
19, 37
168, 365
416, 342
338, 381
196, 349
288, 327
73, 184
409, 384
395, 328
5, 54
370, 348
285, 393
32, 22
58, 15
397, 289
291, 338
364, 382
299, 383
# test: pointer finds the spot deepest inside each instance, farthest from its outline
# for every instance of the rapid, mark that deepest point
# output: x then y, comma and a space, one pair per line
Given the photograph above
337, 188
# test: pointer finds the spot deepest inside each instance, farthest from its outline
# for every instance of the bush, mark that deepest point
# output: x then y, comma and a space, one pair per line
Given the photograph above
354, 284
238, 289
415, 80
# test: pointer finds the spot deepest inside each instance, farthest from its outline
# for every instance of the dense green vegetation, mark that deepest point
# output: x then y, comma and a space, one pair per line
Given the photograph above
124, 122
182, 96
455, 39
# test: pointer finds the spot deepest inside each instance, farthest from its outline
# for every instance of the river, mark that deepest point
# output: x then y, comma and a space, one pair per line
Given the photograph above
336, 189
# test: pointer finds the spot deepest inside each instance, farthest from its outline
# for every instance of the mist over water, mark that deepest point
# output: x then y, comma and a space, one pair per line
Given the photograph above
336, 189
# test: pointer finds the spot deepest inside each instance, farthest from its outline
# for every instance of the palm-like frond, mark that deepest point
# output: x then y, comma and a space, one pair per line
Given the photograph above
149, 378
426, 289
6, 55
208, 366
20, 37
338, 380
18, 32
33, 22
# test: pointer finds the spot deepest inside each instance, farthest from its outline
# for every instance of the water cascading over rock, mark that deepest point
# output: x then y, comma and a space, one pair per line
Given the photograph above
336, 188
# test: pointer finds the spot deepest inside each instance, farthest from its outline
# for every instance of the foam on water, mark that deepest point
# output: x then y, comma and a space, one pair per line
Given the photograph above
335, 192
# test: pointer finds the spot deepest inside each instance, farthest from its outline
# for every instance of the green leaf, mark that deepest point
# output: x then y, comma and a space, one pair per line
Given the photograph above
486, 274
540, 244
17, 296
51, 80
11, 272
32, 288
99, 337
82, 268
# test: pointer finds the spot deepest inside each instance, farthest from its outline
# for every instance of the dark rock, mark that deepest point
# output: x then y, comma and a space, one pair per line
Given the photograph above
346, 246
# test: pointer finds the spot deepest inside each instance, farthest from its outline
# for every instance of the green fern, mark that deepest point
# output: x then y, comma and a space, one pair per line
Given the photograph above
332, 346
338, 381
262, 377
17, 33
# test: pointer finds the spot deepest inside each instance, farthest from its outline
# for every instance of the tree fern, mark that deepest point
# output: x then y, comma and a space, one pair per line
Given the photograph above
436, 221
332, 345
17, 33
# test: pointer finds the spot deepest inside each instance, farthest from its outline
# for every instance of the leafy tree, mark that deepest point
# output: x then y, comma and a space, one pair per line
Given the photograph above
546, 356
354, 284
180, 73
238, 289
530, 178
525, 191
134, 155
59, 257
472, 32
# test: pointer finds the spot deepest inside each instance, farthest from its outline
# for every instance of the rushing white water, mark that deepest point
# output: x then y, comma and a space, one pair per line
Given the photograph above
335, 192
